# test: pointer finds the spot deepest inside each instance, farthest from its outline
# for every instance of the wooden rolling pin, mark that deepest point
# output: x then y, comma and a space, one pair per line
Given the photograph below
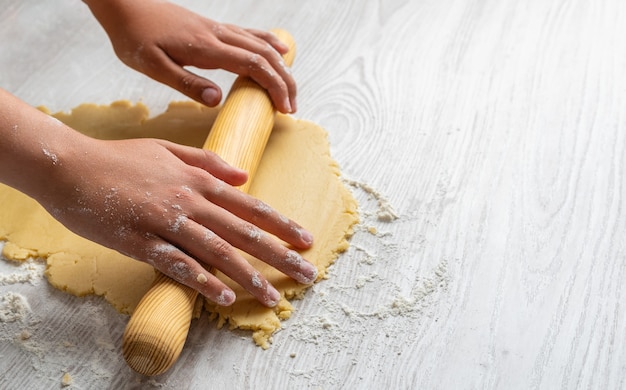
157, 330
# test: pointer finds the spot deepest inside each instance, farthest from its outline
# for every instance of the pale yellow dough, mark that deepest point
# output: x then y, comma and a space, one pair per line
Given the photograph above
297, 176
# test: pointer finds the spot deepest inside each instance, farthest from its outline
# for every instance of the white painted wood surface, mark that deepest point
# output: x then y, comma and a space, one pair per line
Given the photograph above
495, 129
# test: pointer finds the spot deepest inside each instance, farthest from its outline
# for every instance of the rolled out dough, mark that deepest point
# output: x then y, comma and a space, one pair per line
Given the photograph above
297, 176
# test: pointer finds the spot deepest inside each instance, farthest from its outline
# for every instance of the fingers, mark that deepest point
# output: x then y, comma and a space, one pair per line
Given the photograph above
270, 38
214, 188
262, 215
216, 247
165, 70
218, 250
209, 162
229, 229
240, 204
255, 241
179, 266
213, 250
258, 55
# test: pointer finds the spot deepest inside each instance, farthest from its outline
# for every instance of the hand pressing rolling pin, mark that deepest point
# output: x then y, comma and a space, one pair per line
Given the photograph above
168, 205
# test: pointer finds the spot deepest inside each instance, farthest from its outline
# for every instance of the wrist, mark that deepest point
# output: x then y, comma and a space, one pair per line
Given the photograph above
36, 150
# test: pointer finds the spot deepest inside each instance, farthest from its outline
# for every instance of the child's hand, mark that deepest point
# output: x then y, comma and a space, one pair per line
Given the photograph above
173, 207
159, 39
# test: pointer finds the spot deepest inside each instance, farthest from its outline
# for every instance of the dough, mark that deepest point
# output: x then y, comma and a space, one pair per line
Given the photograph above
297, 176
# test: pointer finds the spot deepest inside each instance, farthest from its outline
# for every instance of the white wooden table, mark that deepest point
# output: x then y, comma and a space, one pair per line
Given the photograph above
496, 129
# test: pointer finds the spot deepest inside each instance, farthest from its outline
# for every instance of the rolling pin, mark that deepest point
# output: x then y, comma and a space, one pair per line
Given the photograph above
157, 330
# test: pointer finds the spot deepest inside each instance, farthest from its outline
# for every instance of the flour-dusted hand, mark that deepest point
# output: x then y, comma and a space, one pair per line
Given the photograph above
174, 207
169, 205
159, 39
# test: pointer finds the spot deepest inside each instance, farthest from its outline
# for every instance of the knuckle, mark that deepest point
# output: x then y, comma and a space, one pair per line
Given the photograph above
258, 65
261, 210
179, 269
140, 59
187, 82
268, 52
171, 261
221, 249
250, 233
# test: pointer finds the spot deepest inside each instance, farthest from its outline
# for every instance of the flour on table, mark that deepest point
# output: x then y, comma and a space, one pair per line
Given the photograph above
13, 307
385, 212
370, 296
30, 271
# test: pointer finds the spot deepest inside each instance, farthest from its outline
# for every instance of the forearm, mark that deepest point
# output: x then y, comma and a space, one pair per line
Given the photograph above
33, 146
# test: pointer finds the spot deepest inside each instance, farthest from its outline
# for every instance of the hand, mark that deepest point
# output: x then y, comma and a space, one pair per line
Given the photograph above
173, 207
159, 39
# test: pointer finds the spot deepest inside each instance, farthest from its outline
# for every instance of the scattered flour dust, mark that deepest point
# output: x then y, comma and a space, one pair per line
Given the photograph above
53, 157
13, 307
30, 271
75, 350
416, 304
385, 212
370, 292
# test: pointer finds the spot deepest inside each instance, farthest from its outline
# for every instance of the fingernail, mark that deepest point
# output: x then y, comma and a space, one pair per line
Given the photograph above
226, 298
287, 105
311, 270
308, 274
210, 96
306, 236
273, 295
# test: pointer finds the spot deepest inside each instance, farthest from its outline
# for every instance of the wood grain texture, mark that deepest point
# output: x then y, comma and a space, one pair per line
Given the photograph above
156, 331
496, 130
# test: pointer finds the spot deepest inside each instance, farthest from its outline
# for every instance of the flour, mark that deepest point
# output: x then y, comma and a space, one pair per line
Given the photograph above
338, 320
30, 271
256, 280
366, 256
13, 307
368, 293
163, 249
254, 233
52, 347
423, 288
318, 329
179, 270
180, 221
225, 298
293, 258
385, 212
53, 157
363, 280
262, 209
